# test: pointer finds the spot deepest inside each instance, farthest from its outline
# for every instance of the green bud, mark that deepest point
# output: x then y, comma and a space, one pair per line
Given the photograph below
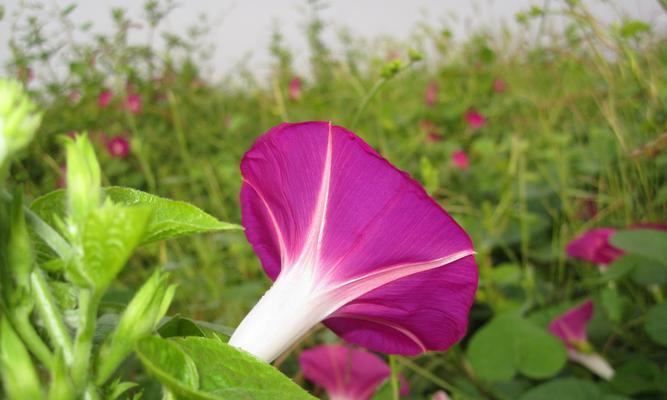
19, 119
140, 318
390, 69
415, 55
83, 178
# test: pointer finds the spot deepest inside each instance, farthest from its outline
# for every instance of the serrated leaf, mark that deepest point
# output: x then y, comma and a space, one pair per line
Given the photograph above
110, 235
510, 344
648, 243
169, 219
656, 323
224, 372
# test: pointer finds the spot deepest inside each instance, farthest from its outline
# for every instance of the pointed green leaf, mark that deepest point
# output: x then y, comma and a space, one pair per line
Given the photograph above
648, 243
224, 372
110, 235
170, 218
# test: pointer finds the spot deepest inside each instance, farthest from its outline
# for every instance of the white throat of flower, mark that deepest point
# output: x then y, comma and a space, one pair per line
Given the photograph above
594, 363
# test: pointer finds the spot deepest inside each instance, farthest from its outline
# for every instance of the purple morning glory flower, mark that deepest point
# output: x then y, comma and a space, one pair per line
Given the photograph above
570, 328
594, 246
346, 373
352, 241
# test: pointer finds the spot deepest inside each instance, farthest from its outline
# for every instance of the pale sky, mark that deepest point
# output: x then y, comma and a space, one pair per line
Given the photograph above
245, 26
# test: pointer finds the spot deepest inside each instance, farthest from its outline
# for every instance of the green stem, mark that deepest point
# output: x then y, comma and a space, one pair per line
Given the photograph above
48, 235
51, 315
430, 376
395, 392
89, 301
31, 338
364, 104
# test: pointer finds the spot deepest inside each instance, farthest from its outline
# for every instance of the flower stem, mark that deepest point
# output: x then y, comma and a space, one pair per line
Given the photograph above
89, 301
31, 338
51, 315
395, 392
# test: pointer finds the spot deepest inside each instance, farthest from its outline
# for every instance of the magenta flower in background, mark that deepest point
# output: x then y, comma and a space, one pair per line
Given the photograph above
104, 98
431, 130
133, 103
594, 246
474, 119
346, 373
570, 328
351, 241
431, 95
460, 160
118, 147
295, 89
499, 85
440, 395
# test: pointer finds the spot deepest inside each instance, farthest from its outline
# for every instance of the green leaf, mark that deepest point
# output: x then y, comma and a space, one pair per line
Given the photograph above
18, 374
568, 388
170, 218
656, 324
648, 243
169, 364
178, 326
222, 371
639, 375
110, 235
510, 344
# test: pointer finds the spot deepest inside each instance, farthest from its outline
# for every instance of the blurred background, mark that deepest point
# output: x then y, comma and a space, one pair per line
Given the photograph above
531, 122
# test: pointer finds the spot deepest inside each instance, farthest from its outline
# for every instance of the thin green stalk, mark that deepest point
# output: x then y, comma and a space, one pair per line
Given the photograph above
395, 392
366, 101
429, 375
31, 338
51, 315
89, 301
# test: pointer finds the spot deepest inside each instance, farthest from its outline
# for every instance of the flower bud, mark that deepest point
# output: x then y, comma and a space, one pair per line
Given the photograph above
18, 119
140, 318
83, 178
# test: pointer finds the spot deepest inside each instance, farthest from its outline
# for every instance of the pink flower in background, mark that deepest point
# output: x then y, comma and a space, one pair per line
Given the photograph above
460, 160
431, 130
499, 85
104, 98
74, 95
474, 119
352, 241
295, 89
440, 395
594, 246
570, 328
649, 225
346, 373
118, 147
431, 95
133, 103
588, 208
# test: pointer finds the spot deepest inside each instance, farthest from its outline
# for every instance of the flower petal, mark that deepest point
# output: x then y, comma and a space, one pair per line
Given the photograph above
405, 317
343, 372
570, 327
594, 246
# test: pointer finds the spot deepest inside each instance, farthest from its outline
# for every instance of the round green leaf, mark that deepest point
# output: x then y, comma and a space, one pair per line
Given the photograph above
656, 323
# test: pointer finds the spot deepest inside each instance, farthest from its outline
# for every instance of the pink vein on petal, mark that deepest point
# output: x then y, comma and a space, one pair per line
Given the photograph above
406, 332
